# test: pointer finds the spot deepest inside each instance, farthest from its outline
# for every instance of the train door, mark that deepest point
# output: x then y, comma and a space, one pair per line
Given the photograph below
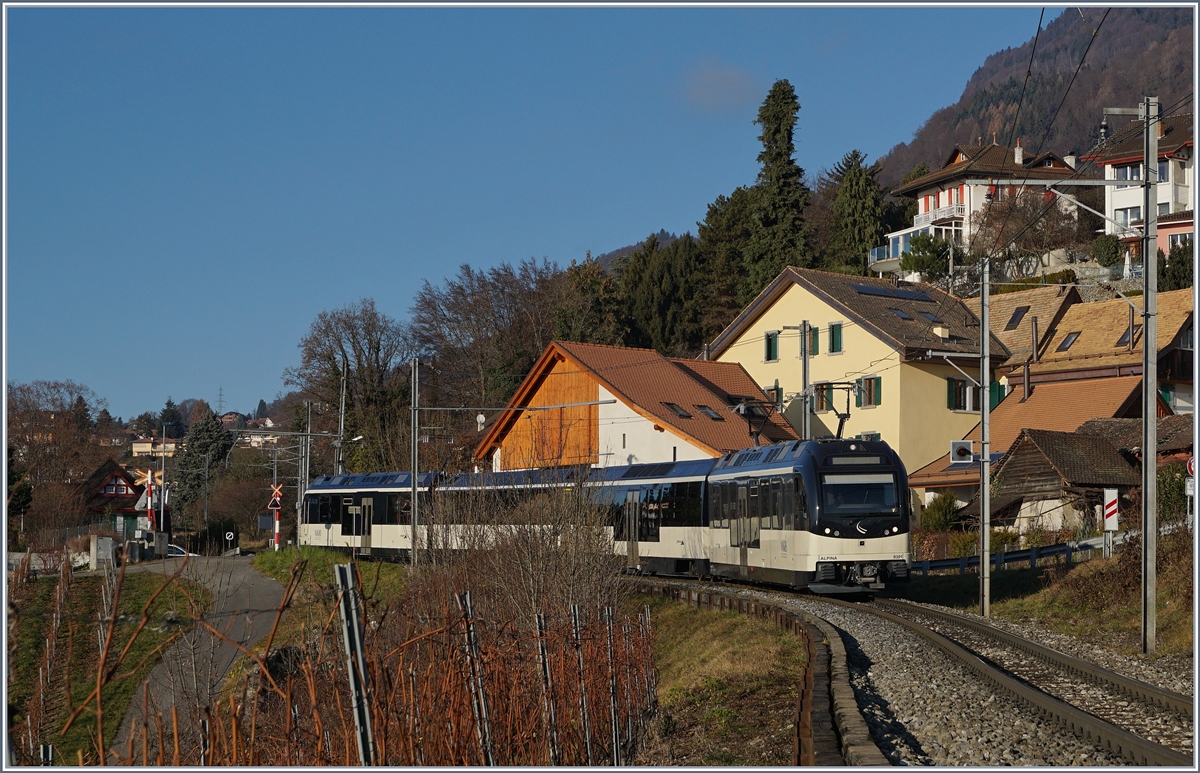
368, 515
632, 522
743, 526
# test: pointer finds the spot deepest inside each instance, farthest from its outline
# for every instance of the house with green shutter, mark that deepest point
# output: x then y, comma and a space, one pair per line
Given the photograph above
887, 358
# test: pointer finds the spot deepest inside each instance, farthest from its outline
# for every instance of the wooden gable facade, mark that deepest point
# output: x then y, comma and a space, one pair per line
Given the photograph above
530, 437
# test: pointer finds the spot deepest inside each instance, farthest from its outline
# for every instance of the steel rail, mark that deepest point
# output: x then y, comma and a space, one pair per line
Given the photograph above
1118, 741
1146, 693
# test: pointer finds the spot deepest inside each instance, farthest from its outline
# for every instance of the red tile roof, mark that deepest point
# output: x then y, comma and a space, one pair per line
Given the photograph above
645, 380
1055, 405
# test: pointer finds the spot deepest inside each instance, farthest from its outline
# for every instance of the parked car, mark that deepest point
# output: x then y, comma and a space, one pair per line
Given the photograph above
174, 551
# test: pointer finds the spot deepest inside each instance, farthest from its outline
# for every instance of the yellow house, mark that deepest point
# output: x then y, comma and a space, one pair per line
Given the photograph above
896, 359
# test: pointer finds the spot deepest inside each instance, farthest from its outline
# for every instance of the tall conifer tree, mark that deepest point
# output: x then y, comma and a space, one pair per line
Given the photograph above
779, 235
857, 214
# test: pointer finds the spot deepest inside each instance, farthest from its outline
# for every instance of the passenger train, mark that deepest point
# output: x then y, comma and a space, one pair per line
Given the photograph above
830, 515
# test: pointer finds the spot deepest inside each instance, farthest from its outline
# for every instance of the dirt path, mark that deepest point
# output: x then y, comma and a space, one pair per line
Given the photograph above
192, 671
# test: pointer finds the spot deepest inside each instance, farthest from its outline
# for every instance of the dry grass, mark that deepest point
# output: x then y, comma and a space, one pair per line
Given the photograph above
727, 688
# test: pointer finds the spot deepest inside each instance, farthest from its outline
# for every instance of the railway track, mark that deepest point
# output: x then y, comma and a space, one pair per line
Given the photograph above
1125, 717
1131, 721
1160, 716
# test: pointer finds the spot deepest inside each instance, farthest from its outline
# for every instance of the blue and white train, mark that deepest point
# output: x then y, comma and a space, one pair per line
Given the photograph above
830, 515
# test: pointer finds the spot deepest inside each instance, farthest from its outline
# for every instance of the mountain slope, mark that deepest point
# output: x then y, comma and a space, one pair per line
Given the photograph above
1137, 52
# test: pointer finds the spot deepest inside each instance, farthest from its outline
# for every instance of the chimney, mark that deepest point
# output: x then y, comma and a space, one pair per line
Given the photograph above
993, 138
1019, 154
1071, 159
1162, 132
1035, 342
941, 332
1129, 344
1028, 387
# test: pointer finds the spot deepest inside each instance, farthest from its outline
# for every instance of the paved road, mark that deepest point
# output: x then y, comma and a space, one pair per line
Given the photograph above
192, 671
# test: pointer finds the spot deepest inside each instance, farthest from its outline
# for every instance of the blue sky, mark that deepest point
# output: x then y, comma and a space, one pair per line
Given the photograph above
187, 188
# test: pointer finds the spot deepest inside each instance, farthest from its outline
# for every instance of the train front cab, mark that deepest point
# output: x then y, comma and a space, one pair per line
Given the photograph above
770, 517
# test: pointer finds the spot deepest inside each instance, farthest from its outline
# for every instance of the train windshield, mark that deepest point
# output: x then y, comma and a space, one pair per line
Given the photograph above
856, 494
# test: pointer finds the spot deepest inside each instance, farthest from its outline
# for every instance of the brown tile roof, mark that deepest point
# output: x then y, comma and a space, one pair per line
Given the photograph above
1055, 405
1177, 217
1101, 324
873, 302
988, 161
1048, 304
1081, 460
1175, 433
645, 380
1126, 143
91, 490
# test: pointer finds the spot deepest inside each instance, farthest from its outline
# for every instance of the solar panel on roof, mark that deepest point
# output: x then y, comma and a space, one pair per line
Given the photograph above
869, 290
912, 295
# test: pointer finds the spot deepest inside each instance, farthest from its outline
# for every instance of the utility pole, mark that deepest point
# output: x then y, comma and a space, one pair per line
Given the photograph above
1148, 112
1151, 119
341, 466
416, 424
805, 336
985, 442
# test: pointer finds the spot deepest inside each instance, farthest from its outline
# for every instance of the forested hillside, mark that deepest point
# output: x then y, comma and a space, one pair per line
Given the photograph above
1137, 52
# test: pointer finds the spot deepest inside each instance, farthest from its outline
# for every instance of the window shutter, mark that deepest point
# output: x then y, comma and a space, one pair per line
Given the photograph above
951, 393
829, 396
878, 389
815, 349
858, 385
835, 338
812, 403
997, 394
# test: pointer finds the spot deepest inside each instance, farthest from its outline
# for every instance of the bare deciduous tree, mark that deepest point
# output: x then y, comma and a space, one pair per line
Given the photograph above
376, 351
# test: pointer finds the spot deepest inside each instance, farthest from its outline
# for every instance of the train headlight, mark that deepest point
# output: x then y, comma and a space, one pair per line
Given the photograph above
826, 531
837, 534
895, 528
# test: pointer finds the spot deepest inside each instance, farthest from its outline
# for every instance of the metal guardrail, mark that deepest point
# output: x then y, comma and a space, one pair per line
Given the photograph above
1027, 556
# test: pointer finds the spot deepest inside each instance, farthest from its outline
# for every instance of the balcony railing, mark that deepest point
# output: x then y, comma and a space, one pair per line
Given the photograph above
941, 213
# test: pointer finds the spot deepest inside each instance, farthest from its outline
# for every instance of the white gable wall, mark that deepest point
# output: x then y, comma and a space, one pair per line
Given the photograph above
626, 437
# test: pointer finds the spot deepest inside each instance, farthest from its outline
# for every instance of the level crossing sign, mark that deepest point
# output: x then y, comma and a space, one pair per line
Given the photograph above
1110, 509
276, 494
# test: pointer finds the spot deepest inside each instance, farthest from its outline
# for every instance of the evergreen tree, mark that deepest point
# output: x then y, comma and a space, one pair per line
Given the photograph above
170, 413
81, 415
857, 214
779, 235
207, 444
1176, 271
724, 236
592, 309
929, 255
662, 287
261, 411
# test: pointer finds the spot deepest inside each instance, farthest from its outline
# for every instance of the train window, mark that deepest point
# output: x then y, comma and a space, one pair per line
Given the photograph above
399, 509
693, 504
776, 503
801, 505
789, 503
324, 509
714, 505
853, 495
